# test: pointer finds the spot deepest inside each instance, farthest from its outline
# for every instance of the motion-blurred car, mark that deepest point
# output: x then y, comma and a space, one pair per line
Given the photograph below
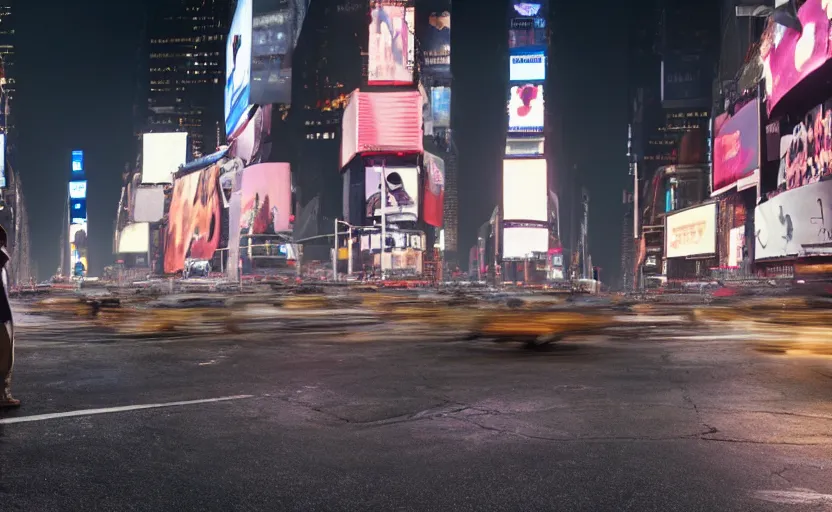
538, 327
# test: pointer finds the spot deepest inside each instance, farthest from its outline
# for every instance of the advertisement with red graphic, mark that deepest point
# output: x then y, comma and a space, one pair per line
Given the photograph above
790, 55
193, 230
434, 201
378, 123
266, 199
737, 146
525, 109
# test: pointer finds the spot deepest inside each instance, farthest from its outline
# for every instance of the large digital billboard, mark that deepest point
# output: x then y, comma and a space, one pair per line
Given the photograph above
691, 232
134, 239
392, 44
525, 190
795, 223
149, 204
527, 66
533, 146
162, 155
525, 109
78, 189
77, 211
377, 123
520, 242
440, 106
402, 184
737, 146
77, 161
194, 219
238, 67
266, 199
526, 32
807, 152
685, 78
433, 204
276, 25
434, 35
78, 249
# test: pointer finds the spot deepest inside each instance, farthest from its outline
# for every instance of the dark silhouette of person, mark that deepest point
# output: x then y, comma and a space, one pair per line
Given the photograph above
6, 330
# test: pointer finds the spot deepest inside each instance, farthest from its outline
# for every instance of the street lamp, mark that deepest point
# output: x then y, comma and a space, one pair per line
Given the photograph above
335, 250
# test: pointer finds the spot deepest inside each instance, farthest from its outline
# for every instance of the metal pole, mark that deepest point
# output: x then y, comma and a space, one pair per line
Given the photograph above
335, 253
383, 217
349, 252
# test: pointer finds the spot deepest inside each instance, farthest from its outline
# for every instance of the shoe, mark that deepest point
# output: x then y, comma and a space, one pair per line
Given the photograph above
9, 403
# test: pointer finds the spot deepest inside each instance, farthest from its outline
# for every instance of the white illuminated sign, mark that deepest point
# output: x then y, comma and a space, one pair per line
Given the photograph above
691, 232
530, 66
78, 189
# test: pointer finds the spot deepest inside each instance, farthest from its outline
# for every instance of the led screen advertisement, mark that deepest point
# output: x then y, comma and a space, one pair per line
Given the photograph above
527, 66
162, 155
77, 210
392, 44
525, 109
402, 192
520, 242
134, 239
378, 123
238, 66
433, 207
266, 199
193, 230
795, 223
78, 189
77, 161
78, 249
790, 55
685, 78
737, 146
525, 187
527, 32
149, 204
533, 146
276, 26
440, 106
434, 34
691, 232
807, 152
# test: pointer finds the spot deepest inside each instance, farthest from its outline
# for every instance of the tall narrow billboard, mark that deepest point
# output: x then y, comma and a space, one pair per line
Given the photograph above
392, 46
276, 26
433, 28
238, 67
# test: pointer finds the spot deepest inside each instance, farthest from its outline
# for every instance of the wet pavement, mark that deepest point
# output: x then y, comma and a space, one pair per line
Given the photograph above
655, 418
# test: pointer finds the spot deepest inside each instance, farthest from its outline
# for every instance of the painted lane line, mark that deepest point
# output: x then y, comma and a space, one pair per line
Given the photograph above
110, 410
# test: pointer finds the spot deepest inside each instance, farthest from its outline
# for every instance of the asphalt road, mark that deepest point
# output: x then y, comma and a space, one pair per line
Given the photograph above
657, 420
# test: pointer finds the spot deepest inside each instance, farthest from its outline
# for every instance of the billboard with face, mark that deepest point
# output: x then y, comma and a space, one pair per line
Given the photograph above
691, 232
392, 45
402, 192
266, 199
525, 109
194, 220
434, 35
238, 67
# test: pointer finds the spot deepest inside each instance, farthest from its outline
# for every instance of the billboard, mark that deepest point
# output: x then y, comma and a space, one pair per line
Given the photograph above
2, 160
440, 107
524, 32
525, 187
392, 44
794, 54
525, 109
378, 123
78, 249
77, 211
691, 232
134, 239
434, 34
736, 246
78, 189
525, 147
162, 155
77, 162
527, 66
737, 146
685, 78
433, 207
238, 49
149, 204
194, 219
402, 193
795, 223
251, 143
807, 152
266, 199
520, 242
276, 26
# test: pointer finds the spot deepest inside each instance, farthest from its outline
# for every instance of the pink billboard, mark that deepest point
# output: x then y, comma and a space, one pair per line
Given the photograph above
266, 201
737, 146
378, 123
790, 58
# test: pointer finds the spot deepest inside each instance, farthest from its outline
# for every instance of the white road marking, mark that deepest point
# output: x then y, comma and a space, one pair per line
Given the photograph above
795, 497
110, 410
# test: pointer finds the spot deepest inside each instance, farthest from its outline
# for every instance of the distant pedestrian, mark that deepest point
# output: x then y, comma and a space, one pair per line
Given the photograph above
6, 329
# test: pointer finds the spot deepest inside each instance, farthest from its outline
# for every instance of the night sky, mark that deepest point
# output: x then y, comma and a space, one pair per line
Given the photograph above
76, 80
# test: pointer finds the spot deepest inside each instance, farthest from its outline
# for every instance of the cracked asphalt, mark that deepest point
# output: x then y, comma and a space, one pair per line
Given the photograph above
659, 420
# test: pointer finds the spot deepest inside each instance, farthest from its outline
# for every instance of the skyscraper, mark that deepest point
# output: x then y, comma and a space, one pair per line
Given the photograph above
7, 57
185, 75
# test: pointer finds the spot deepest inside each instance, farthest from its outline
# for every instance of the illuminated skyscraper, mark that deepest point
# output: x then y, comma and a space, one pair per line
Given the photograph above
185, 76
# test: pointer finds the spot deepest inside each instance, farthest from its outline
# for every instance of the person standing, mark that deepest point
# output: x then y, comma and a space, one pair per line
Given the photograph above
6, 329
